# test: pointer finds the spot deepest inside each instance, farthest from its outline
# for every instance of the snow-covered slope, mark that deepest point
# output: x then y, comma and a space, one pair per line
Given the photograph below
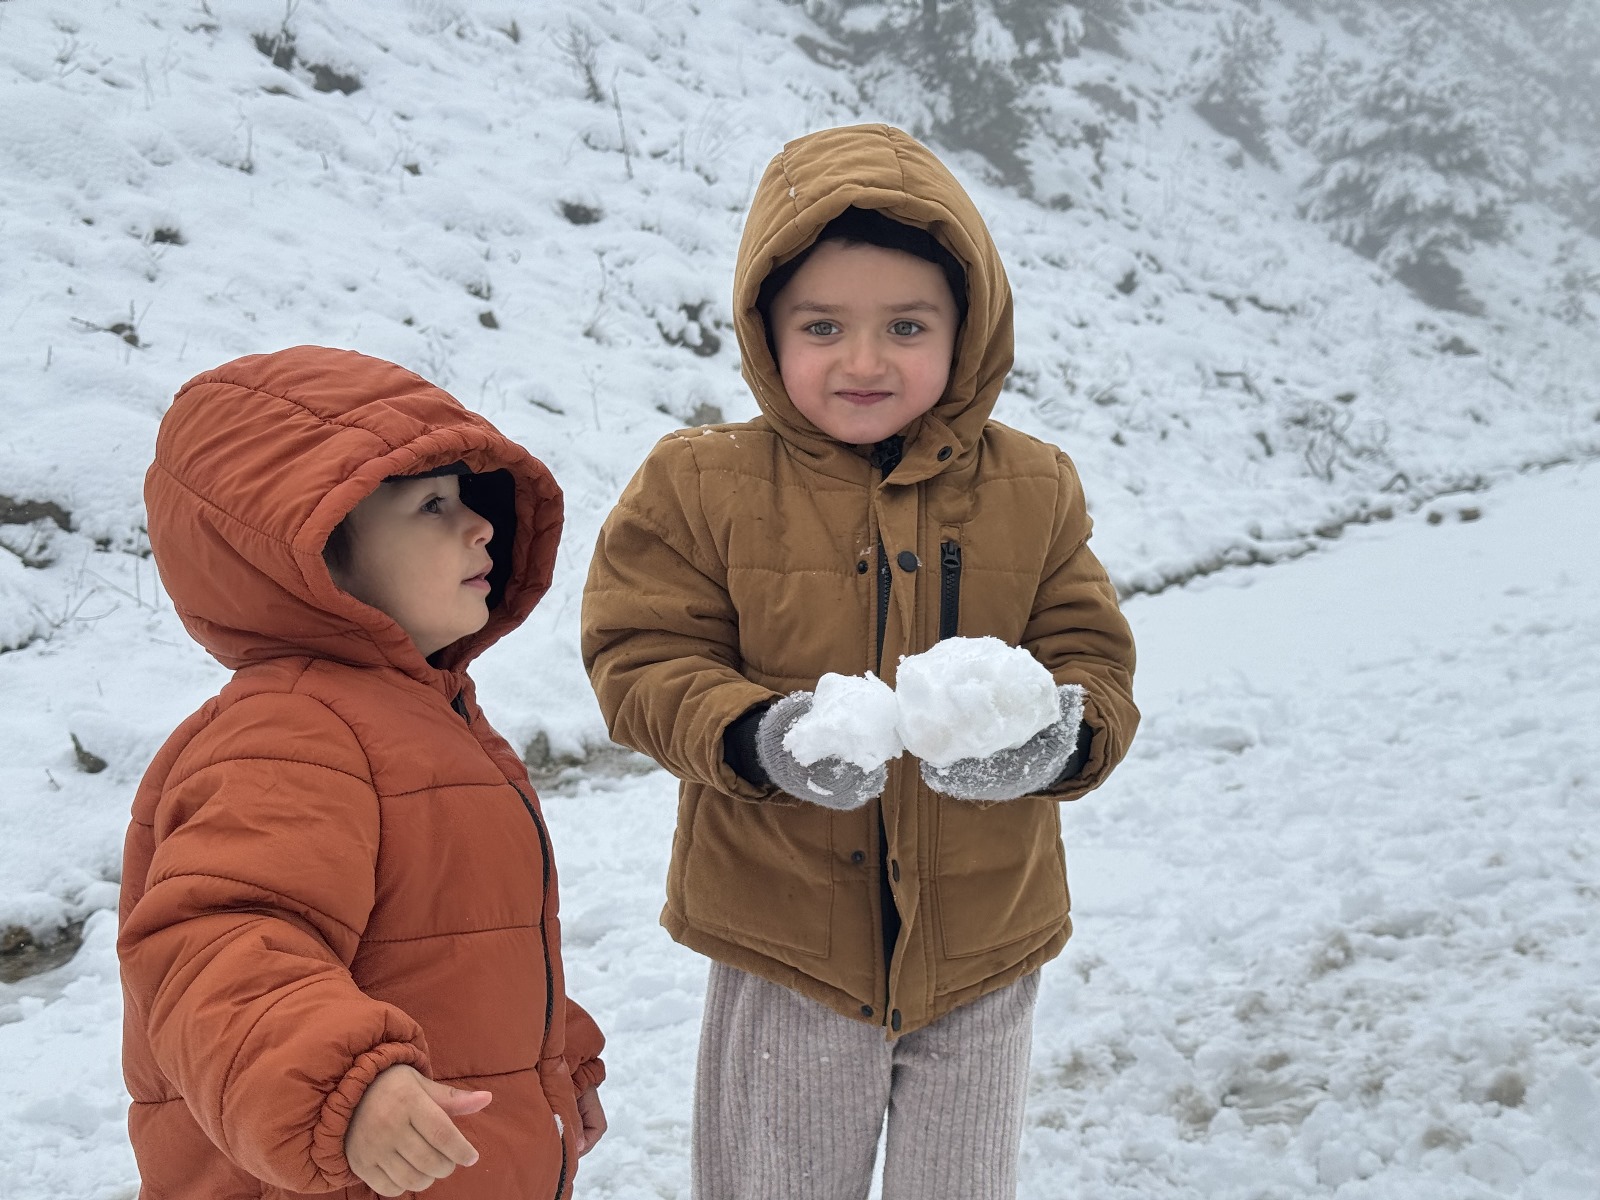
1335, 930
538, 207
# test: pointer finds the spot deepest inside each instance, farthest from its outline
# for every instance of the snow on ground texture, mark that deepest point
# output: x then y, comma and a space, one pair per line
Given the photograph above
1400, 757
852, 717
970, 698
1335, 915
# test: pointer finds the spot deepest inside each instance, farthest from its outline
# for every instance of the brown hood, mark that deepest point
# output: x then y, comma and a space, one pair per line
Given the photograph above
814, 179
258, 460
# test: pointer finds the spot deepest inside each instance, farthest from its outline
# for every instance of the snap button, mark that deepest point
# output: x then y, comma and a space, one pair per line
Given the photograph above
861, 567
866, 1010
858, 857
894, 1020
944, 453
907, 560
894, 869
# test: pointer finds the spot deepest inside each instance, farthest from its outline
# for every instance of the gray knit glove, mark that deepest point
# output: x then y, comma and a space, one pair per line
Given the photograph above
830, 782
1022, 770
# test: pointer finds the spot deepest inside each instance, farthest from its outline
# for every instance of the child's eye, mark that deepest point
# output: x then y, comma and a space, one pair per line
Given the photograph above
822, 328
434, 505
905, 328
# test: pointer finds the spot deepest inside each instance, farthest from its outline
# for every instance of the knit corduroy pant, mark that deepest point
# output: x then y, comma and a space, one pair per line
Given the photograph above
790, 1097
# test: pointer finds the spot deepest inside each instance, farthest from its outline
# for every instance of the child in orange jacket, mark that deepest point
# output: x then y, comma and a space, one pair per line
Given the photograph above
338, 925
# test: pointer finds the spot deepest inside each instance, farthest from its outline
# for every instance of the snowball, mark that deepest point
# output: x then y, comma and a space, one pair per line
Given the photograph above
852, 717
972, 697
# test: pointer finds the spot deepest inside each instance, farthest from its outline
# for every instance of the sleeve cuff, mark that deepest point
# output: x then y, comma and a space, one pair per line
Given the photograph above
1076, 760
590, 1073
327, 1139
739, 748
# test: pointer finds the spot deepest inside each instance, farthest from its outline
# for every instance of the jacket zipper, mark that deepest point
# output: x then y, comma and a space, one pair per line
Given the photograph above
460, 706
949, 589
544, 942
885, 580
885, 457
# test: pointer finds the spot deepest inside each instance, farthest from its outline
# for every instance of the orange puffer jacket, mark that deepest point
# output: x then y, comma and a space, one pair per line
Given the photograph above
336, 865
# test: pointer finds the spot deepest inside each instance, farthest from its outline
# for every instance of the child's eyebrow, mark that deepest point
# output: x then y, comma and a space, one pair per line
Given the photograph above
828, 310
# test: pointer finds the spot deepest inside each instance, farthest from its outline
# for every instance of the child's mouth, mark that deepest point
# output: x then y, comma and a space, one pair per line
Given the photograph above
854, 397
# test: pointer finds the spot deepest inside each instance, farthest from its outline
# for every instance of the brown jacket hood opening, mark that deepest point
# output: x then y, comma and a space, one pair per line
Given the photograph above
810, 182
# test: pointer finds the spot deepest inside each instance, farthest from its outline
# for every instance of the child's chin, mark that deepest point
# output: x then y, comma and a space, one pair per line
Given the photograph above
862, 432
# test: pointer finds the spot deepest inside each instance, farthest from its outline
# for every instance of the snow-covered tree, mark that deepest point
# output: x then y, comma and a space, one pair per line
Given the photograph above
1319, 89
1567, 37
1416, 168
963, 68
1233, 93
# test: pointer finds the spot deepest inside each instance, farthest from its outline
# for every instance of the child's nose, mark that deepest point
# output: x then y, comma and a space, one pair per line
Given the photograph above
863, 355
479, 530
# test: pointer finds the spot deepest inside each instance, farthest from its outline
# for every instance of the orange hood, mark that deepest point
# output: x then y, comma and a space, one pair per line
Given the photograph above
258, 460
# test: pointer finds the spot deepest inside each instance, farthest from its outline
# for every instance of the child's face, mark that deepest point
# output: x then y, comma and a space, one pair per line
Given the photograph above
420, 555
865, 336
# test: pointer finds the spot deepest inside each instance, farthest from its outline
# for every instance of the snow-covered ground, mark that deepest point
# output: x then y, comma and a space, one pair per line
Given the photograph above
1336, 915
1335, 911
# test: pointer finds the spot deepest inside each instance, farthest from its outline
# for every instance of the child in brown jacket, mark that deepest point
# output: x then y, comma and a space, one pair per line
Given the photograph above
338, 925
876, 928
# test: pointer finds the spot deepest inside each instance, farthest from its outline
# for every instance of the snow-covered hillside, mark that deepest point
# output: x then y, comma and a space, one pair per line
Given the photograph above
538, 207
1335, 917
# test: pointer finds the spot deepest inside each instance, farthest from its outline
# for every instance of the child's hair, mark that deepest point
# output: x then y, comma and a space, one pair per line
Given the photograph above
867, 227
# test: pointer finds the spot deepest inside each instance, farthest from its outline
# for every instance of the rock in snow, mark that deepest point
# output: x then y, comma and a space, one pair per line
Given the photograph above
971, 697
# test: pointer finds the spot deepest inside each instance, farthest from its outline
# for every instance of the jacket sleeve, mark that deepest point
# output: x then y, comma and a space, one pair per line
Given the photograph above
660, 632
237, 956
1078, 632
584, 1043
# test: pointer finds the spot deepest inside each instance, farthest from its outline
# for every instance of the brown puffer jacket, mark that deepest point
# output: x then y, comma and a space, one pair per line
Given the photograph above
745, 561
336, 865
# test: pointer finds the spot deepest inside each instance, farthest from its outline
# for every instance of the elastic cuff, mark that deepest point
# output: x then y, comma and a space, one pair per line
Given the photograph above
739, 748
588, 1074
1075, 760
327, 1139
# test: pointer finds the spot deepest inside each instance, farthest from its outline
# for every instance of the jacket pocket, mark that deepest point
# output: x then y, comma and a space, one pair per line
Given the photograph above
1001, 874
761, 874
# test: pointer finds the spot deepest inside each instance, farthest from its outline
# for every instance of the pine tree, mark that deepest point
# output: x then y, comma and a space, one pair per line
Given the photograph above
1416, 168
970, 62
1319, 89
1567, 38
1232, 97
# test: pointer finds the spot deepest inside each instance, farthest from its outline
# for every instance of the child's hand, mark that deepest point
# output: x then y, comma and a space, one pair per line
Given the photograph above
1021, 770
401, 1136
831, 782
593, 1117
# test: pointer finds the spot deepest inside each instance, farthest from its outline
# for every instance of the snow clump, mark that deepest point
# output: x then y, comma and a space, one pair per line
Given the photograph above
852, 717
970, 698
